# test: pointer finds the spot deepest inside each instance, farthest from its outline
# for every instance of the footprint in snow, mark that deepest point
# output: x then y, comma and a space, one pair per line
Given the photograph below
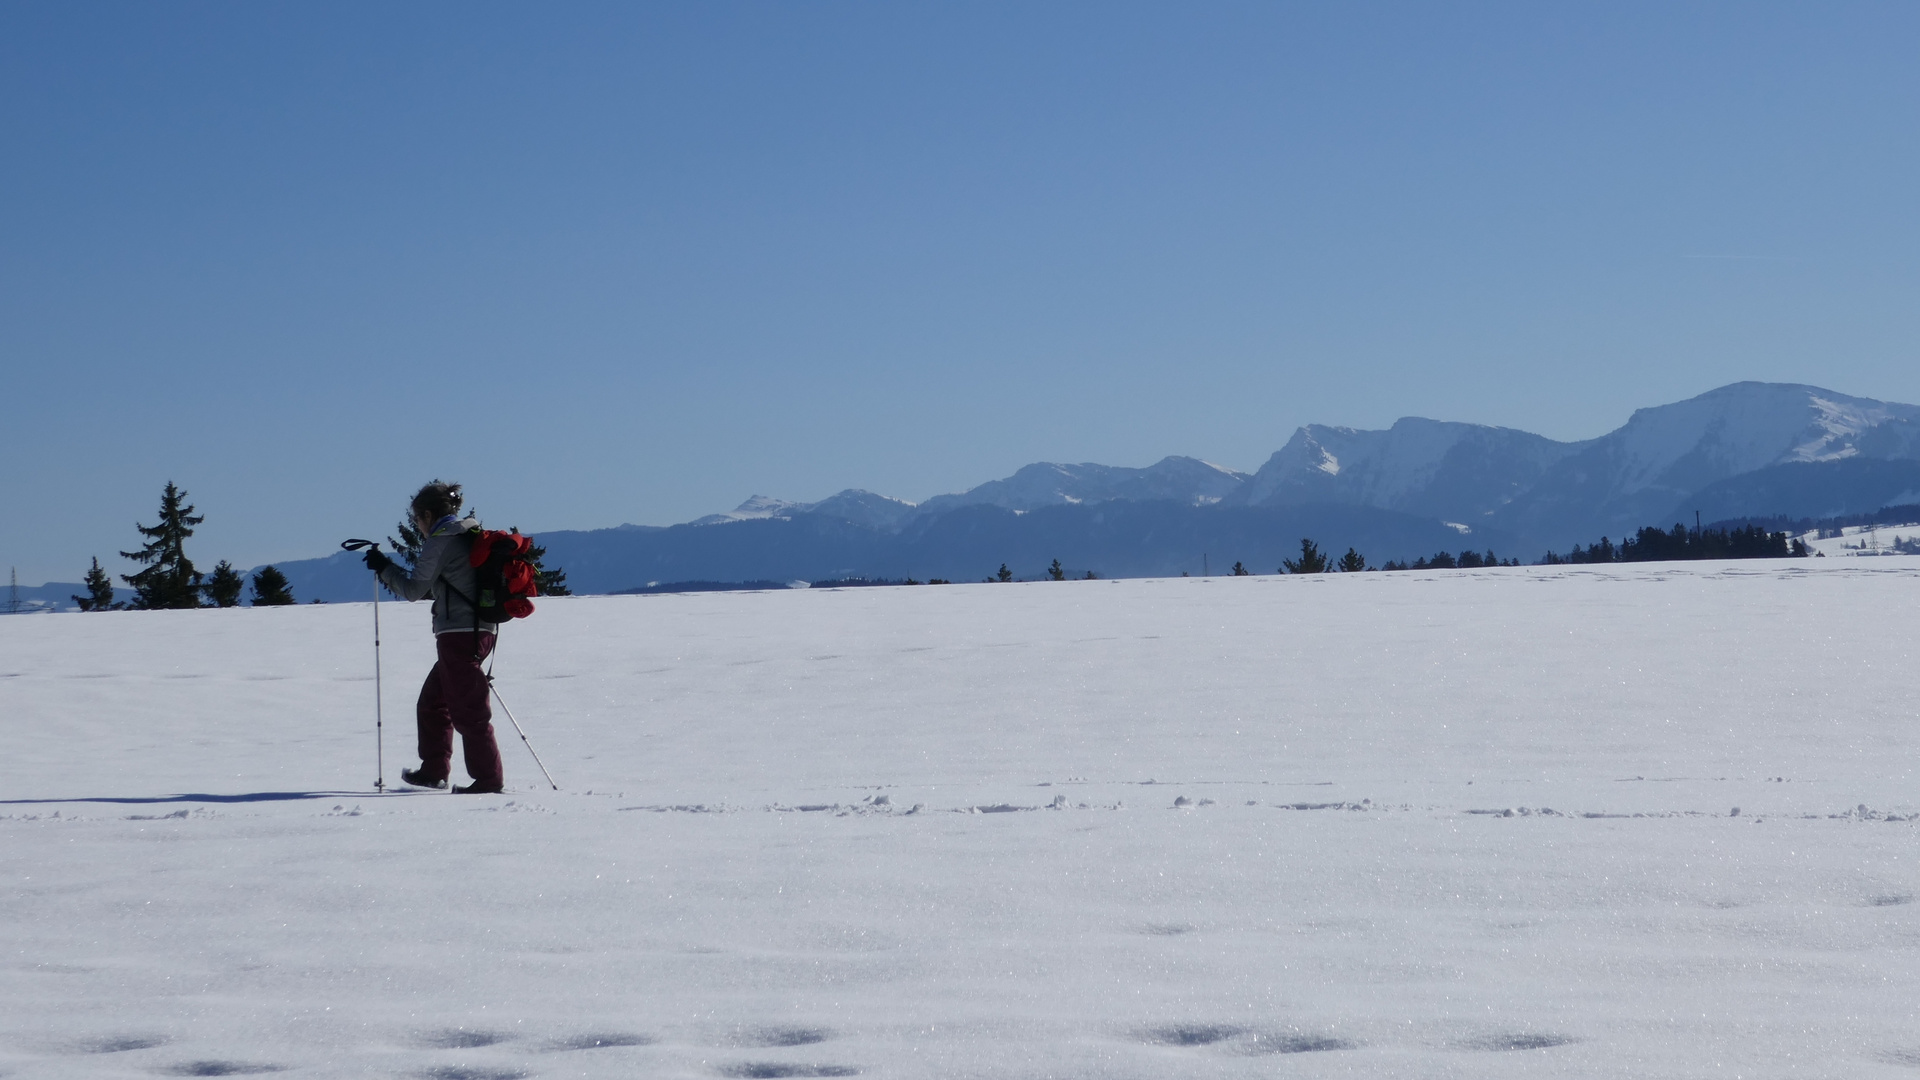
1518, 1041
1190, 1034
468, 1072
1297, 1044
461, 1039
118, 1044
1242, 1039
757, 1070
781, 1036
602, 1040
221, 1068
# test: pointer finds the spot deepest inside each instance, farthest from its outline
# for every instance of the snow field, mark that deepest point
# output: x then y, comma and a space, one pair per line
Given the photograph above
1420, 824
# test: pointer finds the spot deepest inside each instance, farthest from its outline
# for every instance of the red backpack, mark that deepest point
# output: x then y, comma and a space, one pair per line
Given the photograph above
503, 576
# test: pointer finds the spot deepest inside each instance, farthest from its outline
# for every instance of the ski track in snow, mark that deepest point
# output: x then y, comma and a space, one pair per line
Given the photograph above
1539, 822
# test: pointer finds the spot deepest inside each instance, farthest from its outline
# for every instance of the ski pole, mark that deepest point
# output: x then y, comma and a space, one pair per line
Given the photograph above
523, 734
379, 721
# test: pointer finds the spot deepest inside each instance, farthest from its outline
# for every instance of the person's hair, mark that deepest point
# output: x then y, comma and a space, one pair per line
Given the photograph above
437, 499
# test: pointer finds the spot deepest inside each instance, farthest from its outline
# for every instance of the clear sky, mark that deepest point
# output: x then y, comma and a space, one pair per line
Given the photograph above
627, 262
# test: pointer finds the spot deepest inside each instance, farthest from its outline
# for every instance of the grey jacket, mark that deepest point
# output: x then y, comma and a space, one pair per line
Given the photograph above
443, 571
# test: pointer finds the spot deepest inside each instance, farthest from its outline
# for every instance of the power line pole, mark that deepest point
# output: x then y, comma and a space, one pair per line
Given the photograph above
13, 590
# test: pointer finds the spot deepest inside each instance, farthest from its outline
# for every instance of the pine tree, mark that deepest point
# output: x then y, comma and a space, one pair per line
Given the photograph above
550, 582
1312, 560
1239, 570
406, 549
224, 584
1352, 562
1055, 572
99, 591
270, 588
169, 580
1004, 574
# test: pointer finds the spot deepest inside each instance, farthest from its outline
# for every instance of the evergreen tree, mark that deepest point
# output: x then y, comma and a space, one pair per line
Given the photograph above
169, 580
1240, 570
99, 591
1055, 572
224, 584
270, 588
1311, 561
550, 582
1004, 574
1090, 577
406, 549
1352, 562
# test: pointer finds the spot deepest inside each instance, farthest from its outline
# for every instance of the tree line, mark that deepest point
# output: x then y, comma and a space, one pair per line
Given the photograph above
170, 581
1652, 544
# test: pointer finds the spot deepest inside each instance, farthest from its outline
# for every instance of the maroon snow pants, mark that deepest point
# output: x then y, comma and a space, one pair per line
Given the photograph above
454, 698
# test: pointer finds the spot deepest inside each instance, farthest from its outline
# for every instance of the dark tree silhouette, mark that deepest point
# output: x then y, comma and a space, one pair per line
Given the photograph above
1352, 562
1004, 574
270, 588
224, 584
406, 547
99, 591
1687, 542
1311, 561
551, 582
1055, 573
169, 580
1240, 570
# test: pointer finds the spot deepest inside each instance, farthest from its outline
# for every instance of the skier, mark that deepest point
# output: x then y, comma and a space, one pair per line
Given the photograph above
454, 697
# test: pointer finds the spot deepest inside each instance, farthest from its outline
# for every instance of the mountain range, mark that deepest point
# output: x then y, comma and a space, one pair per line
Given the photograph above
1749, 449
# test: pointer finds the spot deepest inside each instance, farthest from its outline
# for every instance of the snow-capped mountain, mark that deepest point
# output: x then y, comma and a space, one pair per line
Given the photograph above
865, 509
1184, 480
1745, 450
855, 505
756, 508
1176, 479
1509, 488
1456, 472
1648, 471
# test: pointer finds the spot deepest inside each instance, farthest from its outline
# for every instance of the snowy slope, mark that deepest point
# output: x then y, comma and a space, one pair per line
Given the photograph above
1455, 472
1868, 540
1177, 479
1647, 471
1465, 824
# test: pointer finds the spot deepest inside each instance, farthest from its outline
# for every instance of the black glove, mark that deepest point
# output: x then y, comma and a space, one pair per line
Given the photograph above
377, 560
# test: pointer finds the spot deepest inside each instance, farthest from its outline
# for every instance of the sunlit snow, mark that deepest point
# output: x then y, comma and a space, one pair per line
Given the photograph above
1650, 821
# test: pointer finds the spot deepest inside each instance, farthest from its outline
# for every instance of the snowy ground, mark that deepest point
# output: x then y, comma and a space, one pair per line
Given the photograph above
1864, 540
1454, 824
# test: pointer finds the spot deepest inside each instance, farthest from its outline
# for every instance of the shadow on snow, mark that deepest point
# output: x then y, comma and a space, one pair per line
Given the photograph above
246, 797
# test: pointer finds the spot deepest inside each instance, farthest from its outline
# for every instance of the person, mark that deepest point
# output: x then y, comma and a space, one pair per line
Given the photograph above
454, 697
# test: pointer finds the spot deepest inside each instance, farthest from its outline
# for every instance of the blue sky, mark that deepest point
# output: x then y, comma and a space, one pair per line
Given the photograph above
630, 262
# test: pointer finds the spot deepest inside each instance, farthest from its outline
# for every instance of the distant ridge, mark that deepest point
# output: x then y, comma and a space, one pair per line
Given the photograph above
1746, 450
